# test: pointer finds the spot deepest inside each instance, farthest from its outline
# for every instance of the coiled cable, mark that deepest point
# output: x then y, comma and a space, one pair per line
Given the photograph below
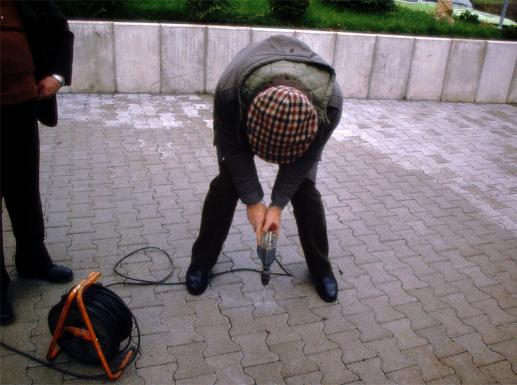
111, 318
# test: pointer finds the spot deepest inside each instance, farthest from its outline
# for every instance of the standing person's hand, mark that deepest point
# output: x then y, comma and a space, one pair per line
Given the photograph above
47, 87
273, 219
256, 216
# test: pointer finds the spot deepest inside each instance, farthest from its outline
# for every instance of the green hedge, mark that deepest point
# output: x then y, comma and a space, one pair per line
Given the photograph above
363, 5
289, 9
319, 15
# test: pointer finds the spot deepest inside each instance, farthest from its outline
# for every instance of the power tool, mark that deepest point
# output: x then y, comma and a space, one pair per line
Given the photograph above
266, 251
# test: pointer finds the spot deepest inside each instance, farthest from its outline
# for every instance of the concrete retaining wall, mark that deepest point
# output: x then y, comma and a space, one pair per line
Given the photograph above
184, 59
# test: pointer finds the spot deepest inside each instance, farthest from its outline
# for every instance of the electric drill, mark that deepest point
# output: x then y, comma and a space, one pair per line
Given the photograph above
266, 251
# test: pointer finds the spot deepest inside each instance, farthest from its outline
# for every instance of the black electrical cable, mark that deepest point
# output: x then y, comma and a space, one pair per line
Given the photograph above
132, 281
106, 302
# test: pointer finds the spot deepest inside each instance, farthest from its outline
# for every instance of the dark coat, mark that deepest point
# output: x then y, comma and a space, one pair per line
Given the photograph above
51, 43
230, 122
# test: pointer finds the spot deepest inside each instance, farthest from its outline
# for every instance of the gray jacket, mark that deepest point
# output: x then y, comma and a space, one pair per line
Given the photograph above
230, 135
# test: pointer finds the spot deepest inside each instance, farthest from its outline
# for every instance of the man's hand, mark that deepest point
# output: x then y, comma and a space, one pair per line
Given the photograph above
273, 219
256, 216
48, 87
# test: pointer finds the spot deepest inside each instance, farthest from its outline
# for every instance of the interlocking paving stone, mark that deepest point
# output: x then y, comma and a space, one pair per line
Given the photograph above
428, 363
497, 315
293, 359
255, 349
471, 292
489, 333
155, 351
384, 312
278, 329
351, 346
443, 346
333, 320
463, 366
368, 327
306, 378
481, 353
266, 374
208, 314
418, 319
448, 380
228, 369
454, 326
14, 370
462, 307
313, 338
205, 380
369, 371
421, 204
242, 321
298, 311
350, 302
391, 357
509, 350
190, 360
501, 372
396, 294
217, 340
503, 298
439, 285
406, 376
181, 330
158, 374
332, 367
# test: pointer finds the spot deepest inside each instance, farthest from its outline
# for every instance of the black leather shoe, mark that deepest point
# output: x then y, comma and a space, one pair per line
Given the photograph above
53, 273
326, 287
197, 281
6, 311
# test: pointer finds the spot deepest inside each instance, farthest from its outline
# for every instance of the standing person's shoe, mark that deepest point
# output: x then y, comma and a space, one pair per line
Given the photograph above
326, 286
6, 310
53, 273
197, 281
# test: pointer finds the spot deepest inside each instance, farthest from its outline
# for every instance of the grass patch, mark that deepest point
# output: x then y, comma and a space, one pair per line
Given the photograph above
495, 2
403, 20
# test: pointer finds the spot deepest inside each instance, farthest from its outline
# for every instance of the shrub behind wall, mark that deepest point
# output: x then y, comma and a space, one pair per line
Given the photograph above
208, 10
363, 5
289, 9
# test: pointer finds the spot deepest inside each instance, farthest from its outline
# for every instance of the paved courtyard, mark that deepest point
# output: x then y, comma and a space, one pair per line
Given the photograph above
421, 202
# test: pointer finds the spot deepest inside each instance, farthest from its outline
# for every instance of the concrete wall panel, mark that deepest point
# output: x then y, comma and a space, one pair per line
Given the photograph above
259, 34
223, 44
497, 72
391, 66
323, 43
353, 63
428, 68
93, 69
183, 58
463, 70
137, 57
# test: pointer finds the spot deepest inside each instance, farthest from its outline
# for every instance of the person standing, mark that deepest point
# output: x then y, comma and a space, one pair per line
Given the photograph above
277, 100
36, 61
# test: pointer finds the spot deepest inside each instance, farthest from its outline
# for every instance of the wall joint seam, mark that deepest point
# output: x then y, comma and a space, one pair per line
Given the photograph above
372, 68
483, 61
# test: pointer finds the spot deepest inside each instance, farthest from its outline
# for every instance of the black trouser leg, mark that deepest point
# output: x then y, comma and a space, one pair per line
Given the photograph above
4, 277
216, 219
20, 184
312, 228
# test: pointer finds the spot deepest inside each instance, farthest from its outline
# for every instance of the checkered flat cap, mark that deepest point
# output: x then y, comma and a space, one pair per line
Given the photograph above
282, 123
